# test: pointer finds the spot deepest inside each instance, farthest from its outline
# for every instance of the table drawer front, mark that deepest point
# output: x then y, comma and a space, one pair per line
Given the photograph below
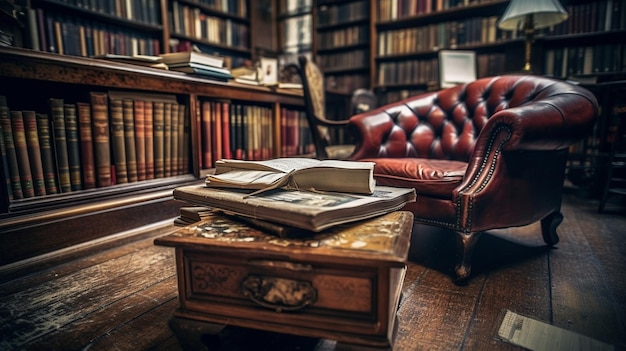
280, 286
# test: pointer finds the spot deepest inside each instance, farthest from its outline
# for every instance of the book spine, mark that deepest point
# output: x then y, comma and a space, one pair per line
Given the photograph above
226, 150
205, 137
130, 110
12, 170
180, 167
34, 152
167, 131
60, 144
159, 122
102, 153
149, 138
4, 112
73, 146
86, 145
186, 140
174, 140
140, 140
117, 140
21, 151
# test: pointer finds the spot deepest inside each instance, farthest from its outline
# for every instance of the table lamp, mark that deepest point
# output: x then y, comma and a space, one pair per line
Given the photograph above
530, 15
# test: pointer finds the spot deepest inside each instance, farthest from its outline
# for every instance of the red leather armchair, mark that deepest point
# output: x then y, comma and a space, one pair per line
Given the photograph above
485, 155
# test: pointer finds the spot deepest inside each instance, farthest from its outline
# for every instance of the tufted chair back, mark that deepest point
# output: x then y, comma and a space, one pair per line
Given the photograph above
485, 155
447, 124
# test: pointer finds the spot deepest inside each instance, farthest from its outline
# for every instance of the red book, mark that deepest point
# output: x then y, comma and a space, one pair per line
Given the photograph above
226, 150
206, 136
34, 152
100, 125
86, 145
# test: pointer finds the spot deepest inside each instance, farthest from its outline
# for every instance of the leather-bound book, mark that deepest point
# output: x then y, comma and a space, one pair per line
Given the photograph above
60, 144
21, 152
47, 154
73, 146
167, 139
86, 145
117, 140
100, 125
205, 134
158, 120
130, 110
174, 140
149, 137
12, 172
140, 142
34, 152
182, 131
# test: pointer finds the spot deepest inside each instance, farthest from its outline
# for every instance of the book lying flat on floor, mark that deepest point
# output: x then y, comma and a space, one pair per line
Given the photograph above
314, 211
295, 173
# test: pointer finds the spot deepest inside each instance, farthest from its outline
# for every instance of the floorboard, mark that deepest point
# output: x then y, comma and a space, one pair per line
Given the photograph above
121, 298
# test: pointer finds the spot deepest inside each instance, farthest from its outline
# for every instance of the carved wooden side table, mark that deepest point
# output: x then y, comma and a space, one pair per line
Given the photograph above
343, 284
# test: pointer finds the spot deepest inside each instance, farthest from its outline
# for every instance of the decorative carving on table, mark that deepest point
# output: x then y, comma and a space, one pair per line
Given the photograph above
279, 294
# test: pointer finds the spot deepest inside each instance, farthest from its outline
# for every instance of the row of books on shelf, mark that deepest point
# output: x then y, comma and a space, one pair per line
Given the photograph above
246, 132
233, 7
470, 31
349, 60
426, 71
146, 11
593, 16
192, 22
584, 60
115, 138
353, 35
389, 96
51, 32
343, 12
389, 10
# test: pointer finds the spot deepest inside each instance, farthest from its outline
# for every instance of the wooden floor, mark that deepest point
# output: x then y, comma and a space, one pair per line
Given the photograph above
121, 298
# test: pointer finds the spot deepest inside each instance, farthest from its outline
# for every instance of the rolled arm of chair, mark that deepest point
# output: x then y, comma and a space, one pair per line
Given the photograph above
548, 124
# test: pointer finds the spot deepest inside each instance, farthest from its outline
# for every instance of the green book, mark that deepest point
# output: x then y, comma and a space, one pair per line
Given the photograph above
60, 144
73, 146
12, 173
158, 123
101, 139
47, 154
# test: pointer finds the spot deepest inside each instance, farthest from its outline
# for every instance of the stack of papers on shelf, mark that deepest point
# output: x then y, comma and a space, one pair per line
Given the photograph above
141, 60
210, 66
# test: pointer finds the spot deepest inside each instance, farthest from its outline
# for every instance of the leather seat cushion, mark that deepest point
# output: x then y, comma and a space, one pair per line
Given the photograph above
427, 176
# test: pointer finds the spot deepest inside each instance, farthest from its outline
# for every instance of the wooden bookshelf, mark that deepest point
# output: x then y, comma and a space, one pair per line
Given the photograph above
31, 78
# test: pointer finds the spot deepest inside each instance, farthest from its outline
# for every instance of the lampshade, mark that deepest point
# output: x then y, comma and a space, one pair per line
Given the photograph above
545, 13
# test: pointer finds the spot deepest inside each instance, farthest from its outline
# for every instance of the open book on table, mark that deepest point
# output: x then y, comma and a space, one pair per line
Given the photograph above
313, 211
295, 173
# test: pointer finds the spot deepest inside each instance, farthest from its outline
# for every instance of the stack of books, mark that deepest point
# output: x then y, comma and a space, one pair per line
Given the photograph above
283, 194
210, 66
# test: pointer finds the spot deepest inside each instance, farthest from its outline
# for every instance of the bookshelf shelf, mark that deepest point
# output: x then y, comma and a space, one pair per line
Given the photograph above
31, 79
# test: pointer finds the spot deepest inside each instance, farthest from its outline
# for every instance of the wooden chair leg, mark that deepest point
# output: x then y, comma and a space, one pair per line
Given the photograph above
548, 228
465, 247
